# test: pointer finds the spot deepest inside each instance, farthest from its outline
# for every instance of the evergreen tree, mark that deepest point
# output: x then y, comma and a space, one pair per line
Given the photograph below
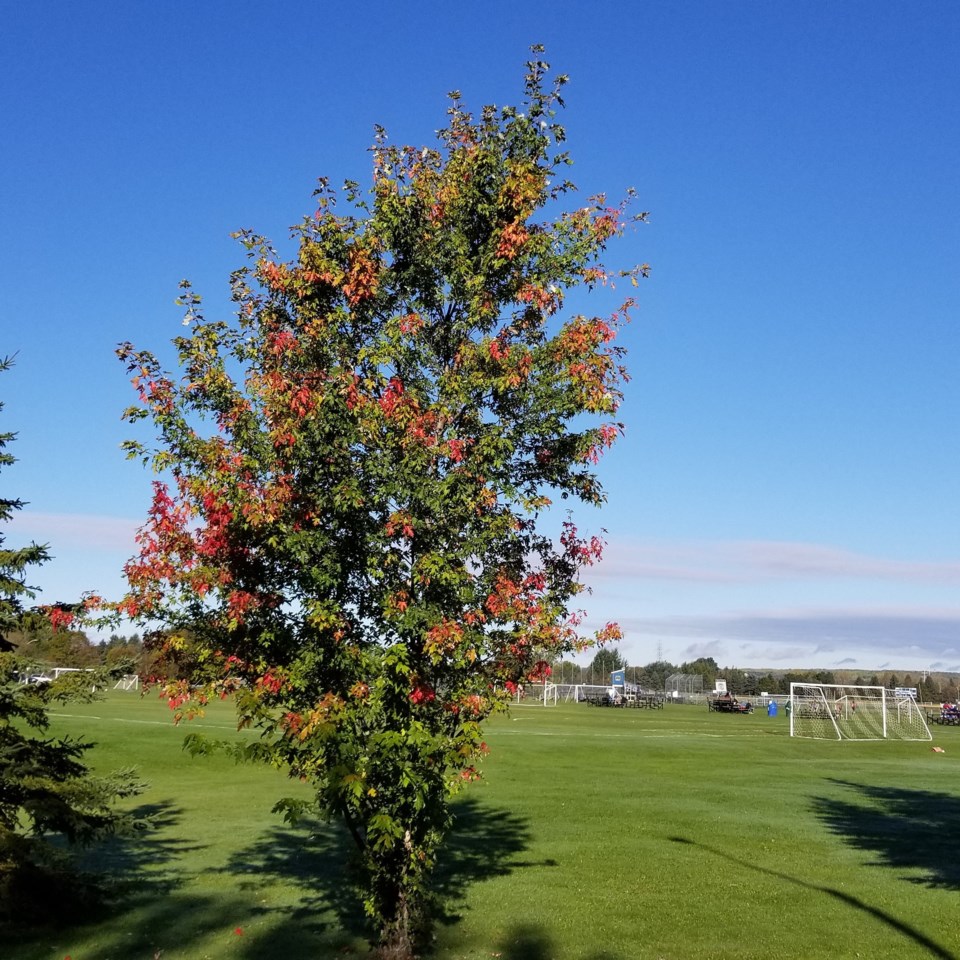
14, 564
654, 675
45, 788
604, 662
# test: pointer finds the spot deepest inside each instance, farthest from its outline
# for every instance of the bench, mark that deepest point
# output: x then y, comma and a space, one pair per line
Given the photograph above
603, 701
723, 705
641, 701
649, 701
945, 717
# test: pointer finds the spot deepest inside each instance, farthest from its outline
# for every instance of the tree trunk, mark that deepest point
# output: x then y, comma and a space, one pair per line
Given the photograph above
396, 942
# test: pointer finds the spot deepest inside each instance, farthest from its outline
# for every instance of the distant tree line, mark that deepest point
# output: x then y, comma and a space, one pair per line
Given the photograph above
38, 641
73, 648
931, 687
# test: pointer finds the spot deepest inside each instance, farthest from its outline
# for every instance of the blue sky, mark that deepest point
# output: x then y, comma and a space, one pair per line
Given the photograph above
786, 493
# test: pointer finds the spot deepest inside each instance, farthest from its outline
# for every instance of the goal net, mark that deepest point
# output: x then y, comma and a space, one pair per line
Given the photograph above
531, 694
827, 711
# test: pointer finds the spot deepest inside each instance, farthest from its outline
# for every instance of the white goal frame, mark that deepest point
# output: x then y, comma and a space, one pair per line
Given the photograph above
838, 711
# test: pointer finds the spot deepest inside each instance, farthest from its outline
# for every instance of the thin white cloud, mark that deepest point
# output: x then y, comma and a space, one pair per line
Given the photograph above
806, 560
755, 561
774, 655
807, 637
712, 648
63, 530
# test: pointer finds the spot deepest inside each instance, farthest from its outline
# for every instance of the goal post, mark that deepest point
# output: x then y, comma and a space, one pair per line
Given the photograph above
833, 711
811, 714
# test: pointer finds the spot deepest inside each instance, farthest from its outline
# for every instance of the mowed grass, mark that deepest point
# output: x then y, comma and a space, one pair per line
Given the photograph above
598, 834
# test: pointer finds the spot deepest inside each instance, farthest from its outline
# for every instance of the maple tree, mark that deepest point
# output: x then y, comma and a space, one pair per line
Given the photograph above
350, 535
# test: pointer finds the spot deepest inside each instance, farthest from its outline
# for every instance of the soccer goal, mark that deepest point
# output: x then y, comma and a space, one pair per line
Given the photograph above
829, 711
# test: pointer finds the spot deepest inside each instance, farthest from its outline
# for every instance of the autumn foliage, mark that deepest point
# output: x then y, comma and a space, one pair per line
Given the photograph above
349, 530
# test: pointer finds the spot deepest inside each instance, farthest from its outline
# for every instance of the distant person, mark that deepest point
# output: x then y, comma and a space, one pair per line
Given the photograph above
772, 708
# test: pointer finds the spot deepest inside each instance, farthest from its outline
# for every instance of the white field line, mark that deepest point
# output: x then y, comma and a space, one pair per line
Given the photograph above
633, 735
518, 731
151, 723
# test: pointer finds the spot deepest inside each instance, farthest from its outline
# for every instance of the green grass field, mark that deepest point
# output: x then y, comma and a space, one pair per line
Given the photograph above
597, 834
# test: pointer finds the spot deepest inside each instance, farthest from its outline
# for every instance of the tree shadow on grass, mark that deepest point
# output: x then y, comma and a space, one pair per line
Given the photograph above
313, 857
152, 908
917, 937
907, 829
175, 923
96, 880
310, 859
485, 842
121, 875
142, 863
529, 941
